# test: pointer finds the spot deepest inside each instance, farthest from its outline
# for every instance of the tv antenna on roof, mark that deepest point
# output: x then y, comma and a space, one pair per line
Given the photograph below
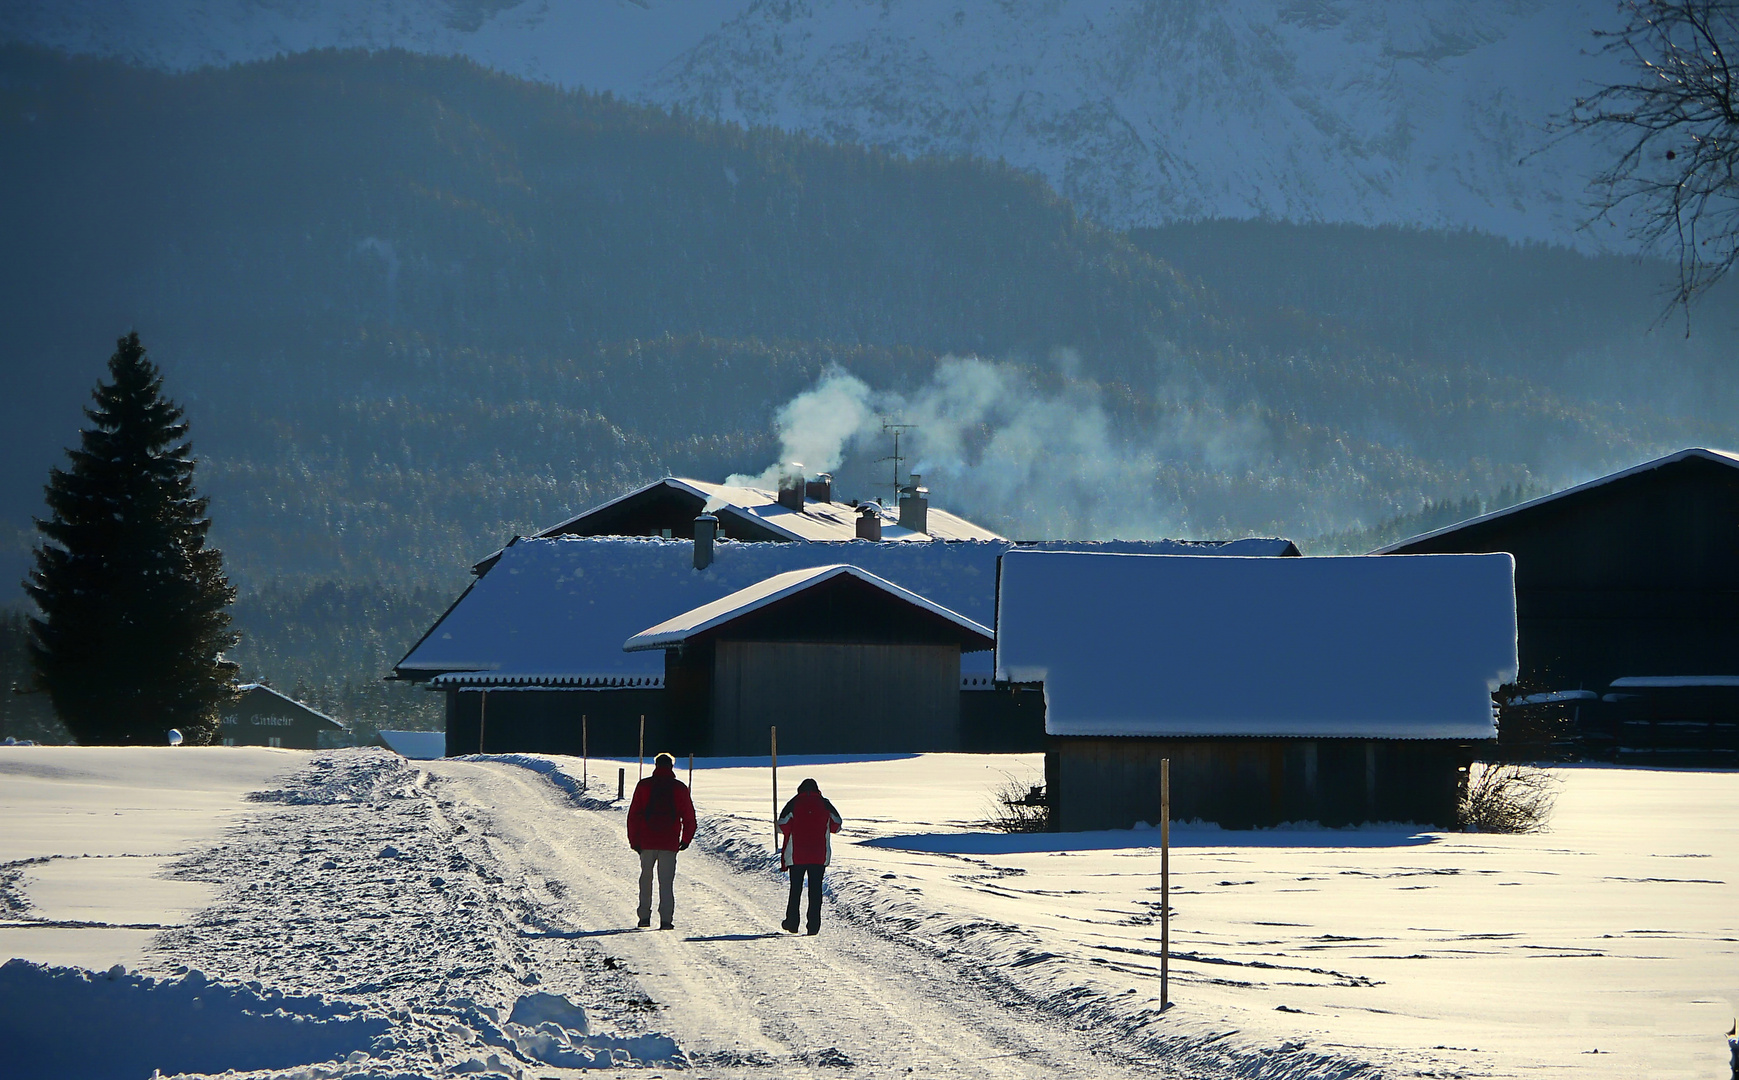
897, 427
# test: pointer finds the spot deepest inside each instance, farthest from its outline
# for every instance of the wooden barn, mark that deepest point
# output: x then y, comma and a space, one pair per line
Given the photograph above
838, 659
531, 654
1337, 690
263, 717
1627, 605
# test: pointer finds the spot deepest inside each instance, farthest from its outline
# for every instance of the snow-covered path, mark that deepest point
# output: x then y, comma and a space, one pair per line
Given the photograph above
733, 990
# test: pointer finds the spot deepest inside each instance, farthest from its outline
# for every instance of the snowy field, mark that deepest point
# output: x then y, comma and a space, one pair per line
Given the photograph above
358, 915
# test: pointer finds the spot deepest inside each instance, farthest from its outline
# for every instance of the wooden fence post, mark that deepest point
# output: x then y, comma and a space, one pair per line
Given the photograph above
621, 782
773, 734
1164, 884
585, 756
640, 773
482, 717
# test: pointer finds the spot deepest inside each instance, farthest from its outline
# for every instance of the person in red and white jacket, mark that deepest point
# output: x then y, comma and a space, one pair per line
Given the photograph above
660, 823
807, 824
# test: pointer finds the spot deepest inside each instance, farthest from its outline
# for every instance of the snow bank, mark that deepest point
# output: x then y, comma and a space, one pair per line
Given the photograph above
188, 1024
1364, 646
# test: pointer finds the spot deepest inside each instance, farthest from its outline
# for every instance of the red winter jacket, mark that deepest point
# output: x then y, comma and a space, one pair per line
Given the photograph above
808, 823
661, 817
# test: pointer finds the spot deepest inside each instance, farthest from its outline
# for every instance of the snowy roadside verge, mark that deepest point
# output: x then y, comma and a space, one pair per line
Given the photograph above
358, 928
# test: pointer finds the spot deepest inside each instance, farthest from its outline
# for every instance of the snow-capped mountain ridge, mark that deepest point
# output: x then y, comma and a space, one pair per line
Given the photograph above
1424, 112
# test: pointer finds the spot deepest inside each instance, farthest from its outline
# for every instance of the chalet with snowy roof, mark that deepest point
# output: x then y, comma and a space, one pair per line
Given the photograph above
799, 510
1337, 690
836, 658
263, 717
1627, 606
532, 655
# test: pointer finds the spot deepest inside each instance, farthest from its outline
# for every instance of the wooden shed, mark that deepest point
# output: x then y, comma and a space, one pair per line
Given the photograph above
1337, 690
1632, 576
840, 660
263, 717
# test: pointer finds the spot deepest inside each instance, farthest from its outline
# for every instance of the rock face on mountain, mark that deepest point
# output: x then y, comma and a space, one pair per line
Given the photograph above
1417, 112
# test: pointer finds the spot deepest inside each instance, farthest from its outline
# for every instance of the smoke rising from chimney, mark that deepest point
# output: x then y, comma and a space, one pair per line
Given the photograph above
816, 426
997, 449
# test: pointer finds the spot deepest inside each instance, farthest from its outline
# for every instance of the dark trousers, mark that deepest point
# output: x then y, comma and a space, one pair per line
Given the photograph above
813, 871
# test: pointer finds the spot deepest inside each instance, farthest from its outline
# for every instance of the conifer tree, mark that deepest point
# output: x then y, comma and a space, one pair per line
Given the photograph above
134, 608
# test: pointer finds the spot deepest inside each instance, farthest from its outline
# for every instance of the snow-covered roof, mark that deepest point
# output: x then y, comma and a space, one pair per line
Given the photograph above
262, 690
1667, 682
1405, 646
1555, 697
557, 610
817, 521
1719, 457
416, 745
680, 628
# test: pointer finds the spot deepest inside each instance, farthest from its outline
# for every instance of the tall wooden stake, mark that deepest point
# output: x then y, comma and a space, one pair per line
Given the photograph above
482, 717
773, 733
1164, 883
691, 771
585, 756
641, 774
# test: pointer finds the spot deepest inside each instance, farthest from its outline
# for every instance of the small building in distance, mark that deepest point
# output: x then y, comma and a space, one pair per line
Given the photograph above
839, 660
1335, 690
263, 717
1627, 607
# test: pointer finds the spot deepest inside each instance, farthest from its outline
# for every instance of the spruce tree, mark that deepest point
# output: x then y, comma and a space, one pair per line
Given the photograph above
134, 608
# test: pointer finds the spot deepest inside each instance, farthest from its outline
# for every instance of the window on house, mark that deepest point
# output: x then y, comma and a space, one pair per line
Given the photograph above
274, 741
229, 742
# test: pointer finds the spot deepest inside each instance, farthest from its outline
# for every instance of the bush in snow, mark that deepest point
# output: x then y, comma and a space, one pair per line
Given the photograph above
1507, 799
1019, 806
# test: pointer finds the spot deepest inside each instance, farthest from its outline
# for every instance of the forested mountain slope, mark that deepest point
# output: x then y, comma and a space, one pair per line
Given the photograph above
413, 307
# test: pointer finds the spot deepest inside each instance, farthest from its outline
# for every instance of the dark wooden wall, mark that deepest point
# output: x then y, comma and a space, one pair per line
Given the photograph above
250, 723
830, 698
258, 731
1638, 576
1005, 721
1112, 783
548, 722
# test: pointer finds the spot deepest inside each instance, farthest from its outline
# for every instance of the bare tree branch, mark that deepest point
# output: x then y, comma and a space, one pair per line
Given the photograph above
1674, 182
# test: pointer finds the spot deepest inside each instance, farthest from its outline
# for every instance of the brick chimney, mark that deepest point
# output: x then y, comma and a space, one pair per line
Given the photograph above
869, 521
706, 529
915, 506
791, 487
820, 489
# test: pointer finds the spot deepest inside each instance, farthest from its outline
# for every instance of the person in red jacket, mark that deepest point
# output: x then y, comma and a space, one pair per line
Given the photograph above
660, 824
807, 823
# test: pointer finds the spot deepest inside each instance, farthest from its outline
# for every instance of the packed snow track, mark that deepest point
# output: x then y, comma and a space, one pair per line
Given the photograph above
740, 997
